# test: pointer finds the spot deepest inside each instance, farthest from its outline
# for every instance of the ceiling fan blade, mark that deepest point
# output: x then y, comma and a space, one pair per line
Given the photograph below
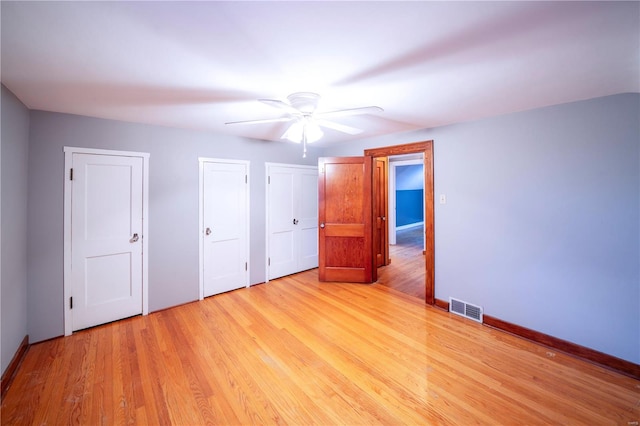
266, 120
350, 111
339, 127
280, 104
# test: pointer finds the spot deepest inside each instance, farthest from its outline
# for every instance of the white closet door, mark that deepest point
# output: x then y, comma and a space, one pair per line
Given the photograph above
225, 226
292, 212
308, 214
106, 238
283, 244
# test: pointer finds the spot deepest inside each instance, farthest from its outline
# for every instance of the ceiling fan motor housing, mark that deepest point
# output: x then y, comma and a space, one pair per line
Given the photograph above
305, 102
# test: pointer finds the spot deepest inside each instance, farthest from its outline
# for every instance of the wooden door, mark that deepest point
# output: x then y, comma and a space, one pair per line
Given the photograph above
225, 226
106, 238
345, 216
380, 211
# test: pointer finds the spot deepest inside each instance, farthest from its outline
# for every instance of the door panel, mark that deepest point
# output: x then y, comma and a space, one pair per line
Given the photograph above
308, 257
225, 213
345, 213
380, 207
308, 219
106, 259
282, 239
109, 277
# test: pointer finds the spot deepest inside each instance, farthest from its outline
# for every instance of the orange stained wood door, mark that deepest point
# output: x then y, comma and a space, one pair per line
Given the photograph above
345, 216
380, 207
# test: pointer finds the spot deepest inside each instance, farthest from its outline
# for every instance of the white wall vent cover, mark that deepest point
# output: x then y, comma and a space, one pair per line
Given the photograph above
465, 309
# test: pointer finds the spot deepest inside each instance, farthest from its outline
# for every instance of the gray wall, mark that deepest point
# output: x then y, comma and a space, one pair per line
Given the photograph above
541, 225
542, 221
409, 177
13, 264
173, 204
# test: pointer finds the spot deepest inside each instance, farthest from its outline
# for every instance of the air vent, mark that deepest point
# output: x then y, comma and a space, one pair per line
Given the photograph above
465, 309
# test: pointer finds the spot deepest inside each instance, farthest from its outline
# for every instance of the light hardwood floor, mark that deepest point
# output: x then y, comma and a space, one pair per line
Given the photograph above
406, 271
296, 351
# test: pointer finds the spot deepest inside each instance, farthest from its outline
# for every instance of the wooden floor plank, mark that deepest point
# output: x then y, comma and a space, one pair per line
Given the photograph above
297, 351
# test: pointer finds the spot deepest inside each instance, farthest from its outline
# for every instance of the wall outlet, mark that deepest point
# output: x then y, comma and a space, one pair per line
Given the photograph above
443, 199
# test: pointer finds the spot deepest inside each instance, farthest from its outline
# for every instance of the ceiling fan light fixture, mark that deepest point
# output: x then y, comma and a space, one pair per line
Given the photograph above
313, 131
305, 127
294, 132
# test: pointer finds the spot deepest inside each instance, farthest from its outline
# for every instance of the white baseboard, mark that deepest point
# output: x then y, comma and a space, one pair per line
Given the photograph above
409, 225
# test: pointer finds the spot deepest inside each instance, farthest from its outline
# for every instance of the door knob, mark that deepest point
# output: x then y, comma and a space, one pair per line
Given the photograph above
208, 231
295, 221
134, 238
322, 225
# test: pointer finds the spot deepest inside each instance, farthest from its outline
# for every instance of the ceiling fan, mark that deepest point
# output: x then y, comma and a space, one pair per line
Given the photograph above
300, 108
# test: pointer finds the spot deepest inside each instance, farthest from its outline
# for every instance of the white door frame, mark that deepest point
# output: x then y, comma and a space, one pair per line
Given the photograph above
267, 167
392, 193
68, 162
201, 161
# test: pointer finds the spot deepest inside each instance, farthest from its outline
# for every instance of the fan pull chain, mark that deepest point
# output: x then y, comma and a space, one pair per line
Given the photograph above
304, 142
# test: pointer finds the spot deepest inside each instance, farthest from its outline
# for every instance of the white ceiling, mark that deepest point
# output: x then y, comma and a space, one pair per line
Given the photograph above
198, 65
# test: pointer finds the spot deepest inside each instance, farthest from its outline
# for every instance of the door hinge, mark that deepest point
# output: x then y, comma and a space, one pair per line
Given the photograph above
269, 261
246, 179
71, 302
268, 180
246, 266
71, 174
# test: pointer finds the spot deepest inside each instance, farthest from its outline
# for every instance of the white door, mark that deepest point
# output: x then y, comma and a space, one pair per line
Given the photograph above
225, 226
308, 219
281, 214
106, 238
292, 214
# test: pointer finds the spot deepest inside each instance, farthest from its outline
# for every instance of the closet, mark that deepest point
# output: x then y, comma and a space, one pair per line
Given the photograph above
292, 219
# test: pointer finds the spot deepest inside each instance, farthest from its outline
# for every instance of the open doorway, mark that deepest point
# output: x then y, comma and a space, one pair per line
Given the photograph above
412, 266
406, 270
406, 196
